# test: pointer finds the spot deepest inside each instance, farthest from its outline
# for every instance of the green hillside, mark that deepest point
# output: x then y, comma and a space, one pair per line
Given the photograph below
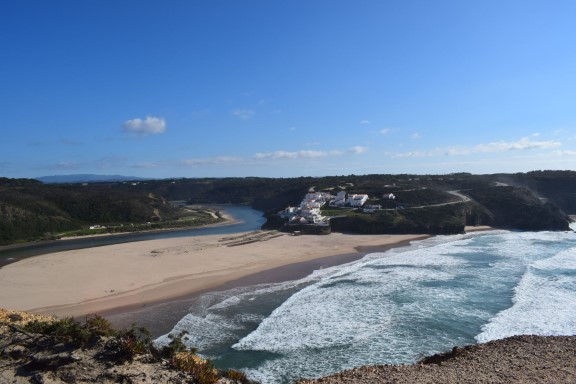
30, 210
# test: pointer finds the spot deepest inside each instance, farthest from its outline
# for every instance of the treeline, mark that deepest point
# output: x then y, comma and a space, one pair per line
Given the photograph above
30, 210
433, 220
534, 200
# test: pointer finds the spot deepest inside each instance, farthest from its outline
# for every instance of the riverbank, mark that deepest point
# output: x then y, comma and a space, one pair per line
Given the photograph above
131, 275
227, 219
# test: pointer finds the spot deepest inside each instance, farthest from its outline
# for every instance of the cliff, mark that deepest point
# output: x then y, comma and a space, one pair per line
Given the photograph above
35, 349
518, 359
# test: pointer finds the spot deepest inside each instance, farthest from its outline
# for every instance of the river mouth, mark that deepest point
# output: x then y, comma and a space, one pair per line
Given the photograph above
246, 219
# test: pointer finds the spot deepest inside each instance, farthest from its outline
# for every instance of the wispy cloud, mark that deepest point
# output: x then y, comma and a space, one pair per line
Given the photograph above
111, 161
385, 131
416, 136
564, 153
365, 122
522, 144
525, 143
308, 154
295, 154
149, 126
243, 114
358, 150
218, 160
148, 165
62, 166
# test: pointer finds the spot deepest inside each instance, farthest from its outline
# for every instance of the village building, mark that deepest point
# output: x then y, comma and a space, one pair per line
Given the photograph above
357, 200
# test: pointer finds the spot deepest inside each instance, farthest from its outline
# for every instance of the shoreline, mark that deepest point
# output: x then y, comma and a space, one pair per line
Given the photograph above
158, 320
228, 220
131, 275
121, 280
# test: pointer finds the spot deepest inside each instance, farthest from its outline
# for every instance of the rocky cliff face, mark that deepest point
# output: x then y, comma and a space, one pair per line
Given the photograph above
518, 359
74, 353
518, 208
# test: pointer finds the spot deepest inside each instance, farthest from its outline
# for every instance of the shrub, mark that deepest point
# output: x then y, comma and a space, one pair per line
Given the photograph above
236, 376
176, 345
202, 370
67, 329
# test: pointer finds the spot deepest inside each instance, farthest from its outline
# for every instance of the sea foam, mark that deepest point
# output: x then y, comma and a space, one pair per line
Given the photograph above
393, 307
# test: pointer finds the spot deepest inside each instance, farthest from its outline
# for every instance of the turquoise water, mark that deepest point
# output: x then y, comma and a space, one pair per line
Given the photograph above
392, 307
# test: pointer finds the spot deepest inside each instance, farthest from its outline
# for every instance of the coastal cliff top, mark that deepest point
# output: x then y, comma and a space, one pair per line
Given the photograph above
518, 359
43, 350
39, 358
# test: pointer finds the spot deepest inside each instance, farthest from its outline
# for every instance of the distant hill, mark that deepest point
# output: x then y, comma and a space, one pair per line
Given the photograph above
85, 178
30, 210
432, 204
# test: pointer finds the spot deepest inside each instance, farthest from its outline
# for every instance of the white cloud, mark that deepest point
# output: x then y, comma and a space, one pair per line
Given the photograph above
365, 122
415, 136
149, 126
522, 144
148, 164
308, 154
295, 154
211, 161
525, 143
564, 153
243, 114
385, 131
358, 150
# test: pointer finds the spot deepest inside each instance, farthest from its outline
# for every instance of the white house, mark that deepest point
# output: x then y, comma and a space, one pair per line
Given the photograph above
357, 200
340, 199
288, 212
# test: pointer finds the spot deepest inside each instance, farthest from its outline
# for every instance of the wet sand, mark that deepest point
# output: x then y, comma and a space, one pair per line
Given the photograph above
125, 277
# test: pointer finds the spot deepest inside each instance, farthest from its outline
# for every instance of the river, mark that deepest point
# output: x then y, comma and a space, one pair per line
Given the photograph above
248, 219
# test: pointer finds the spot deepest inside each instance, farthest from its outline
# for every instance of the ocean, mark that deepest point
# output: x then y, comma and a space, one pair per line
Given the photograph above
392, 307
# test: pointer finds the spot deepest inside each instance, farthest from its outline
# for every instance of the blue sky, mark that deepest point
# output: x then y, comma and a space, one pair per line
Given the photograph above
286, 88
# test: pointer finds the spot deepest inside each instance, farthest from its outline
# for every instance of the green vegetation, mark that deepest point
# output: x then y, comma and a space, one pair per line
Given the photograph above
126, 343
121, 346
433, 220
30, 210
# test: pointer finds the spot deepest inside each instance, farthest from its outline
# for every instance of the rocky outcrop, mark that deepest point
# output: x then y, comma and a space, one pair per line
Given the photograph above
518, 208
102, 357
518, 359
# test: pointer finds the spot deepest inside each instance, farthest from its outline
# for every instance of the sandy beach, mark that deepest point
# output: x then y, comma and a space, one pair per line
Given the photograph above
132, 275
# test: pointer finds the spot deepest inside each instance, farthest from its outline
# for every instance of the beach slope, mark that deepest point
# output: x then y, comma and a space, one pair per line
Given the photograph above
132, 275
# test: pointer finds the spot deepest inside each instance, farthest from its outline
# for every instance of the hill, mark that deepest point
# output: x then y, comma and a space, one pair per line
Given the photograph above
432, 204
84, 178
30, 210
